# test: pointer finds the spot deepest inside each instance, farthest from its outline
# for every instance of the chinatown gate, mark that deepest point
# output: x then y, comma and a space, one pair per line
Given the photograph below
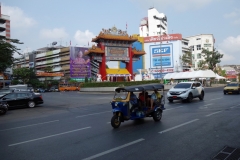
114, 45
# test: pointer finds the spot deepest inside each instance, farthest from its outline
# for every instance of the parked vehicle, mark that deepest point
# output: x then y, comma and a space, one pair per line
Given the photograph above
186, 91
3, 108
232, 87
123, 110
54, 89
19, 99
5, 91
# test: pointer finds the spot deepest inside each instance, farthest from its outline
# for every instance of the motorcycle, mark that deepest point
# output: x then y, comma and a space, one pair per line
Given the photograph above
3, 108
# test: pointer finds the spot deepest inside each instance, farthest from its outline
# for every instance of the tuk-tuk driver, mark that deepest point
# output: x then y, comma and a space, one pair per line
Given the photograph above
133, 100
154, 97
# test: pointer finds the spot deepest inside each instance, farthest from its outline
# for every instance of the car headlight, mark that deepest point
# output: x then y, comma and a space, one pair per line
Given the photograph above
183, 92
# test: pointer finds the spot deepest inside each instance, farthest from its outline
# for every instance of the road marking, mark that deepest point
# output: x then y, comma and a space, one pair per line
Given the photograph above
216, 99
48, 136
114, 149
208, 105
108, 122
213, 113
92, 114
178, 126
235, 106
173, 108
29, 125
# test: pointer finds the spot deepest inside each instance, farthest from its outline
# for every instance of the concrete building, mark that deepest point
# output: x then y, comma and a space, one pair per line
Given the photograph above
196, 43
150, 26
56, 57
4, 25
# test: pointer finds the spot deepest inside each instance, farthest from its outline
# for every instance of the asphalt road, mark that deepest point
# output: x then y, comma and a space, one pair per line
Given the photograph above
75, 125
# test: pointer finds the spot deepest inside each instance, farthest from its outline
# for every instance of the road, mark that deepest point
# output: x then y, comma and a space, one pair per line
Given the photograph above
76, 125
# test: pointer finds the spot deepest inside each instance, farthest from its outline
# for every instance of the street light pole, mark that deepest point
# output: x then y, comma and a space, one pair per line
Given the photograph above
160, 19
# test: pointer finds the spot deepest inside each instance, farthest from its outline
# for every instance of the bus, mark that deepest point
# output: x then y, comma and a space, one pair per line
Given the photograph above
69, 87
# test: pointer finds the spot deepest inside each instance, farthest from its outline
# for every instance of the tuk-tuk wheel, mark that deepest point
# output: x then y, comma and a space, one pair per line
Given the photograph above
157, 115
115, 121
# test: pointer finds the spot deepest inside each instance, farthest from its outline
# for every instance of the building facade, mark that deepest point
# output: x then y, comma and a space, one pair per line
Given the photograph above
196, 43
149, 26
4, 25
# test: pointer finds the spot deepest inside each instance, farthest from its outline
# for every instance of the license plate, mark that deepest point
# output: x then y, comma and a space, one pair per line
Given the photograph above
229, 92
174, 96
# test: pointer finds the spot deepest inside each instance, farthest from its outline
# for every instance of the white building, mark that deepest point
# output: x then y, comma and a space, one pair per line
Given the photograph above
198, 42
149, 26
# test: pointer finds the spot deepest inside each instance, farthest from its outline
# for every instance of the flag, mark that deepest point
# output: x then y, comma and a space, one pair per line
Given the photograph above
88, 43
126, 26
70, 43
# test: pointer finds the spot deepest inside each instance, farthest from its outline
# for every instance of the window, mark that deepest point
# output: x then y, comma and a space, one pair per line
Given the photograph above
199, 47
185, 43
198, 39
193, 56
199, 55
192, 48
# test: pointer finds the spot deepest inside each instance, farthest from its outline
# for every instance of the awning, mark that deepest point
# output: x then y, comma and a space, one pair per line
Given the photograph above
118, 72
190, 75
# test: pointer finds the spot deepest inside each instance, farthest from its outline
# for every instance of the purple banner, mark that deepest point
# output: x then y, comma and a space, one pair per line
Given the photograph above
79, 64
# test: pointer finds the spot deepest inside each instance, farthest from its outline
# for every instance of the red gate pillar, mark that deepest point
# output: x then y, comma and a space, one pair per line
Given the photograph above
129, 65
102, 65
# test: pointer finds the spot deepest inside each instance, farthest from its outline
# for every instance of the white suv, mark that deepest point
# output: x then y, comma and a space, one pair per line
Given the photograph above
186, 91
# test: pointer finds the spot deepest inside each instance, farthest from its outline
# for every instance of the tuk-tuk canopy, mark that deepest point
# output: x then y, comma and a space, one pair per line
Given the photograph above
143, 87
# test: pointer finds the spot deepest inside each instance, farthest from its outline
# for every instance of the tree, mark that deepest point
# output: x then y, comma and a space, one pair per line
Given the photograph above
202, 65
186, 58
6, 51
48, 69
212, 58
22, 74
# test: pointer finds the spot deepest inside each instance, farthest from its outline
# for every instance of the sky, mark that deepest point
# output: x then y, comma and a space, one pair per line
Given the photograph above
39, 23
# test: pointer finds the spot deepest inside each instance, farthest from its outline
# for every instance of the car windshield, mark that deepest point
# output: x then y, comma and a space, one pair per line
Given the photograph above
120, 95
183, 85
232, 84
3, 91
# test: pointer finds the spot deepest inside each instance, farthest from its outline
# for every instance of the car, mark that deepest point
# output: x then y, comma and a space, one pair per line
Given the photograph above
4, 91
232, 87
3, 108
22, 98
40, 90
186, 91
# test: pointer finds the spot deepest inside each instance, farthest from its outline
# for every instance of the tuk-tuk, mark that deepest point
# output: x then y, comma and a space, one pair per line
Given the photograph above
124, 110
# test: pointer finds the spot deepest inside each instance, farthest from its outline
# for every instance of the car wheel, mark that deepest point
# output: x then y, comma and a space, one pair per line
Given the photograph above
157, 115
170, 100
31, 104
190, 97
201, 96
224, 92
115, 121
3, 111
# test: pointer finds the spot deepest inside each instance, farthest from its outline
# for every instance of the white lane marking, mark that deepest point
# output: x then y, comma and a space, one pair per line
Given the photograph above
48, 136
208, 104
92, 114
29, 125
178, 126
173, 108
113, 149
235, 106
103, 98
216, 99
213, 113
108, 122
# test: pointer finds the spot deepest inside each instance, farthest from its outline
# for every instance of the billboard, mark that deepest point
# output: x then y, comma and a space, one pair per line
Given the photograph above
116, 53
79, 64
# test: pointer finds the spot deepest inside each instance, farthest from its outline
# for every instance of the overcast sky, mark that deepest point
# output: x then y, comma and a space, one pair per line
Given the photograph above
39, 23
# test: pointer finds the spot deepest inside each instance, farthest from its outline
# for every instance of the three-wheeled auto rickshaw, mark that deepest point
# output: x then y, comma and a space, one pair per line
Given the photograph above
124, 110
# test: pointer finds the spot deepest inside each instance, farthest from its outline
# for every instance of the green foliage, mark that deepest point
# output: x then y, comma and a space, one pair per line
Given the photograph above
212, 58
6, 51
186, 58
116, 84
15, 82
86, 79
47, 69
22, 74
35, 83
54, 83
72, 81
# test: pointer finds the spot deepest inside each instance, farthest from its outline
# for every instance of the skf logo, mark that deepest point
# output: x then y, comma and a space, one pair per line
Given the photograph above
162, 50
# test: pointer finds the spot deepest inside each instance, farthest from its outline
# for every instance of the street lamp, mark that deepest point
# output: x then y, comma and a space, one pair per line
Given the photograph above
160, 19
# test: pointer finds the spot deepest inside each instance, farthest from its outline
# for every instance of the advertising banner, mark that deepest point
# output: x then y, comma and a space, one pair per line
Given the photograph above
161, 56
167, 37
79, 64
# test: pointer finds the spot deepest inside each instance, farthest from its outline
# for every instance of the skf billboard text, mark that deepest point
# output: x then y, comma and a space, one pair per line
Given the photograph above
162, 50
